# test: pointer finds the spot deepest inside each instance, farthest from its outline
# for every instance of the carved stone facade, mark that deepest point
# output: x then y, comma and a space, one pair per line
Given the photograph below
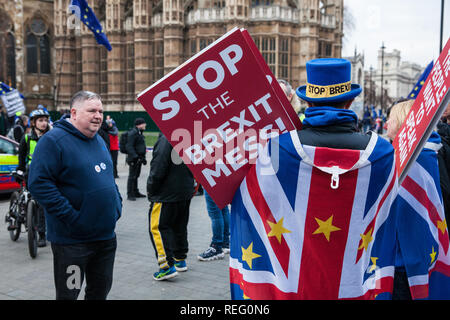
152, 37
26, 54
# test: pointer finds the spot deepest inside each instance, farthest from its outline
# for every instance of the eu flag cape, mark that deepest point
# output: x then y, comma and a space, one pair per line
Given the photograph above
313, 223
422, 229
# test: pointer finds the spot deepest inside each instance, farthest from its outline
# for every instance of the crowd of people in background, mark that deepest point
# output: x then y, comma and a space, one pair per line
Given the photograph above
372, 120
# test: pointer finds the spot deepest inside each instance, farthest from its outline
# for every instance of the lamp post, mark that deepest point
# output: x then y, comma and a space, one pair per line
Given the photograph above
382, 73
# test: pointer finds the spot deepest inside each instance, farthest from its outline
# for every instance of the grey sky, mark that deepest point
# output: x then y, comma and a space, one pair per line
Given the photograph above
411, 26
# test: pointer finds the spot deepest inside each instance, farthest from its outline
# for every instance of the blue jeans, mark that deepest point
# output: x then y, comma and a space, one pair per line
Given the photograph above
220, 220
71, 263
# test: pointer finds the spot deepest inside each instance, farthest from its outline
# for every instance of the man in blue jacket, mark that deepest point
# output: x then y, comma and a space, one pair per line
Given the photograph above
71, 176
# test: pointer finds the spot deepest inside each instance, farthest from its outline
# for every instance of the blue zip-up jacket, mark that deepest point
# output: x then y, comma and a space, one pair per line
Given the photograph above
71, 176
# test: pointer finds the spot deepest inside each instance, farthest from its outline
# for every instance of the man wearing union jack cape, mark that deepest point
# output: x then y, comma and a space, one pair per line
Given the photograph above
311, 218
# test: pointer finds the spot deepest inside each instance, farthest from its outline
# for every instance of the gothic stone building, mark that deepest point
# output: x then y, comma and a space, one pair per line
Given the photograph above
48, 56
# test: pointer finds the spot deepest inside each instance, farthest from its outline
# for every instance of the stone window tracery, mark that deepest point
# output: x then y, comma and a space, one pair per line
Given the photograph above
37, 45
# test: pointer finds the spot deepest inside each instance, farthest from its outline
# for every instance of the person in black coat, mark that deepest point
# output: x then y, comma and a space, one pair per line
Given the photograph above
170, 188
136, 150
20, 127
103, 132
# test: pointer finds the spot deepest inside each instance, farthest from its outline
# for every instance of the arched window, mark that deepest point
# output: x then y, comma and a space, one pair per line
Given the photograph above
10, 52
37, 44
32, 53
7, 51
44, 54
255, 3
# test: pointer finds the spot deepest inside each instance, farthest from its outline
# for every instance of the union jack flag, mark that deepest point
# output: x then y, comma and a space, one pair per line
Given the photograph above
422, 229
314, 223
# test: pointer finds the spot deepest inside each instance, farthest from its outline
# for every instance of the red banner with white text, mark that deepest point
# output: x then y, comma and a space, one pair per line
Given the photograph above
217, 110
424, 114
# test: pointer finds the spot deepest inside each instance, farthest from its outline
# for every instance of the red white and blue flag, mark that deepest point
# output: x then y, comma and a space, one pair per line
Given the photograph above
313, 223
422, 229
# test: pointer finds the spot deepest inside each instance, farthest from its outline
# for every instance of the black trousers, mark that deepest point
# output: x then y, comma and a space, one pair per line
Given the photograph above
401, 289
93, 260
168, 231
114, 156
133, 175
41, 220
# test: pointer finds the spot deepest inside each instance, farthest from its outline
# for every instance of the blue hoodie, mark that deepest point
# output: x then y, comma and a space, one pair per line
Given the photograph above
71, 176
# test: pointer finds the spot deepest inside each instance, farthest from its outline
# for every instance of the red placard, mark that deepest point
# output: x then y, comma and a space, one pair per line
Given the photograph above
424, 114
266, 70
217, 109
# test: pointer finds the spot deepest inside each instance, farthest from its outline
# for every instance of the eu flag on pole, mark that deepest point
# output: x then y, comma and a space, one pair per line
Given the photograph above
415, 91
4, 88
81, 9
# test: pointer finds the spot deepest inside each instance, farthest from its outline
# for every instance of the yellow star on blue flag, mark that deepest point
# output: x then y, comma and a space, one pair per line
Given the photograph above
415, 91
4, 88
83, 12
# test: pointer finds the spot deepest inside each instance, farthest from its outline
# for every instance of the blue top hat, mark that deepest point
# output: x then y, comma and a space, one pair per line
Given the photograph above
328, 80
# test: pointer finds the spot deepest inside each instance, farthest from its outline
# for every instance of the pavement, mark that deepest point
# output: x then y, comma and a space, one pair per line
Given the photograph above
24, 278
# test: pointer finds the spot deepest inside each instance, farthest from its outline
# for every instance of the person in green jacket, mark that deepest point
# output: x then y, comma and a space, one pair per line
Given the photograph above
39, 126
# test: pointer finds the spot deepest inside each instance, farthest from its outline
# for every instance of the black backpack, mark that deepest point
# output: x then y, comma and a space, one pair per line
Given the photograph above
123, 142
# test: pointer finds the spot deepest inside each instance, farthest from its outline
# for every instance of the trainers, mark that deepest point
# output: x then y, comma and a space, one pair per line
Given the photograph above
139, 195
42, 243
226, 249
164, 274
180, 265
211, 254
131, 198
